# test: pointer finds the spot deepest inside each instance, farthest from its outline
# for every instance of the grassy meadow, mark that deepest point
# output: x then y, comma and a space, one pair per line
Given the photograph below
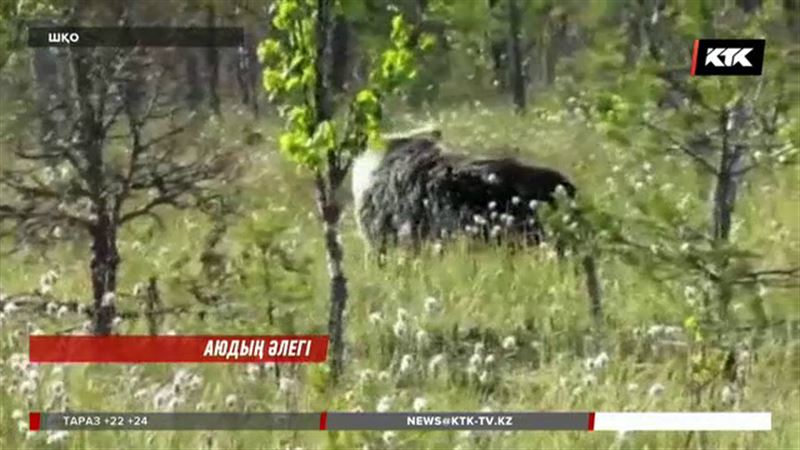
467, 329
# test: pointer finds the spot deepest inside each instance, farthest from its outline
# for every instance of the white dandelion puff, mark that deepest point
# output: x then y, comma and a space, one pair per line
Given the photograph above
420, 403
400, 328
366, 375
287, 385
138, 289
509, 343
436, 362
161, 398
656, 390
402, 314
474, 364
141, 394
507, 219
230, 401
601, 360
406, 363
108, 299
422, 338
389, 437
730, 395
375, 318
253, 371
431, 304
27, 387
384, 403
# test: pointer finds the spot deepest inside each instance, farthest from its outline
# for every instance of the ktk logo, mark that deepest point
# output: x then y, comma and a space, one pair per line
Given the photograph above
728, 57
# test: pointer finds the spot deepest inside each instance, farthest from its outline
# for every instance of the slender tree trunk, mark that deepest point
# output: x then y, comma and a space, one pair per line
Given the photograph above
194, 93
44, 66
791, 9
212, 61
593, 287
726, 188
517, 77
152, 305
246, 74
331, 212
326, 188
341, 53
104, 264
497, 51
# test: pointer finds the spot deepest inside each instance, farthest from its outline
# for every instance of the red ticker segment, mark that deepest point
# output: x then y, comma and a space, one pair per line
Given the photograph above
178, 349
34, 421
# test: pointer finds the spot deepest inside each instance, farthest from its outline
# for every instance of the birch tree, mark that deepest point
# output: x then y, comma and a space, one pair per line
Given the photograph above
299, 64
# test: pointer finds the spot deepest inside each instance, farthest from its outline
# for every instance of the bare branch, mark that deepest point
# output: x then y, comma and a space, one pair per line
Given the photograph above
684, 148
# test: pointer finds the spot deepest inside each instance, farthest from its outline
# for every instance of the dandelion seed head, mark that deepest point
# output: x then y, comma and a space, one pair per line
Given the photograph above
108, 299
400, 328
384, 403
431, 304
375, 318
479, 219
389, 437
436, 362
230, 401
406, 363
509, 343
656, 390
601, 360
422, 338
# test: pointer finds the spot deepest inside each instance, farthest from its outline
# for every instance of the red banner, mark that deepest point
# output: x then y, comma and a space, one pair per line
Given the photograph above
178, 349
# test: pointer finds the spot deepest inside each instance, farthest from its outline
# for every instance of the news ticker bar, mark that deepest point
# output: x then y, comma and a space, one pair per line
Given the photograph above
135, 37
177, 349
345, 421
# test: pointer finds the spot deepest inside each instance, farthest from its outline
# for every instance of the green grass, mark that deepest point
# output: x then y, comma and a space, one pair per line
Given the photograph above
484, 295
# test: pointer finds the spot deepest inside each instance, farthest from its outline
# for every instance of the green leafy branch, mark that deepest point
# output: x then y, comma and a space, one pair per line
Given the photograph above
291, 75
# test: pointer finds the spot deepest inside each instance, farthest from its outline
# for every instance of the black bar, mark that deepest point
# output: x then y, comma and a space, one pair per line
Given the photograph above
135, 37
